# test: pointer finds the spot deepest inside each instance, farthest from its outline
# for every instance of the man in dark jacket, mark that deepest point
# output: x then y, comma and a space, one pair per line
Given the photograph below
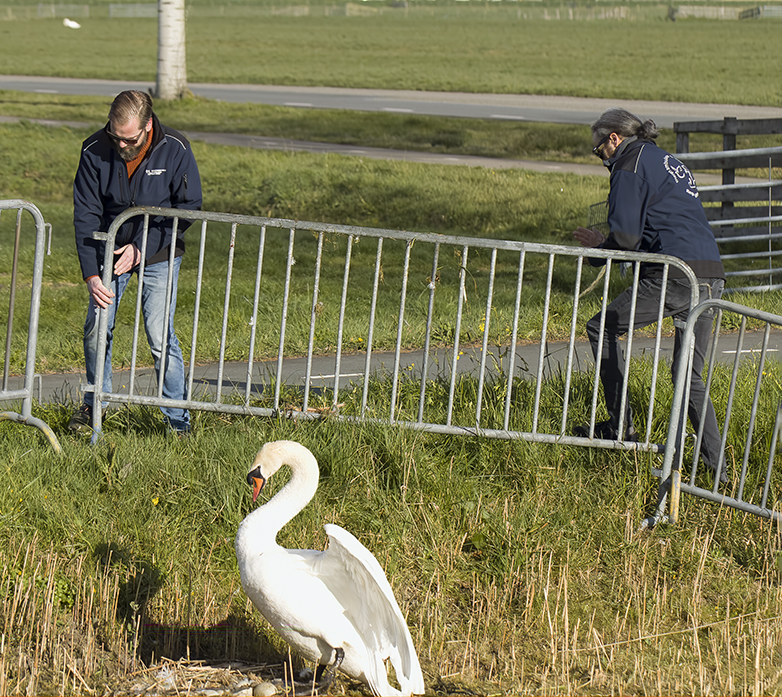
134, 161
653, 207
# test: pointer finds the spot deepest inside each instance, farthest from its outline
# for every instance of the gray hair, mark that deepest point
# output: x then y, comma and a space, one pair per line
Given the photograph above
129, 105
623, 123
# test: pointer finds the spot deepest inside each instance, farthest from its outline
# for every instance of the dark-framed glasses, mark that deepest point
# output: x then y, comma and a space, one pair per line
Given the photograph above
596, 149
121, 139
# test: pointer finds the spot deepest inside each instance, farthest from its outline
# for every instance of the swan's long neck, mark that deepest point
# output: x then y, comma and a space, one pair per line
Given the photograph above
266, 521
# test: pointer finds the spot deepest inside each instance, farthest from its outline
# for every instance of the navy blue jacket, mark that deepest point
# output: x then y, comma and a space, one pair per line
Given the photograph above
654, 206
167, 177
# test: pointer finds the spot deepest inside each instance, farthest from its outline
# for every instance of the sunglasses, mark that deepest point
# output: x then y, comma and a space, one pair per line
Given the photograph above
596, 149
128, 141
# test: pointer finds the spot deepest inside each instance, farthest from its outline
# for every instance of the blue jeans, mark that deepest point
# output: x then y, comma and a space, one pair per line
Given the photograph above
677, 305
153, 305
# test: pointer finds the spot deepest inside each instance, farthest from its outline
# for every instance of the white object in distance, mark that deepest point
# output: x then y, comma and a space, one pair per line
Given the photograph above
71, 24
334, 607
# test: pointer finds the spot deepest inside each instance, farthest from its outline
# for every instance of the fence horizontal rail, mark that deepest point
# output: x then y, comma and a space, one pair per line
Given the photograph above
733, 159
748, 191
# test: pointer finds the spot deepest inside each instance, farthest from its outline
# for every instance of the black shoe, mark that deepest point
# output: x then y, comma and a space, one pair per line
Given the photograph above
723, 471
81, 419
604, 430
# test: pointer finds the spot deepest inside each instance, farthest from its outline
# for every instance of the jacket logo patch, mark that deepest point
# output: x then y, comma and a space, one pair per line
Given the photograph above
679, 172
155, 172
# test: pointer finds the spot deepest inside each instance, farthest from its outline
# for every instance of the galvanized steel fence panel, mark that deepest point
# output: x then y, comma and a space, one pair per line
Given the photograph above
440, 333
22, 342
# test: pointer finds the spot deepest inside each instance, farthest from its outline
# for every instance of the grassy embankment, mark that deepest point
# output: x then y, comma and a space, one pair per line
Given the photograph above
519, 567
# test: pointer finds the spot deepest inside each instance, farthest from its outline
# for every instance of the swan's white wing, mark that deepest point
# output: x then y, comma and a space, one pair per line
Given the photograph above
359, 582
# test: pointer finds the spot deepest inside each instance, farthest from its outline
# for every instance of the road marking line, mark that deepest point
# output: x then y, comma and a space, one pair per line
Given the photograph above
771, 350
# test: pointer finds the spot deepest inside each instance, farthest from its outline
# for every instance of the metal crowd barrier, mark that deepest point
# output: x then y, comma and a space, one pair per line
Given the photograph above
750, 425
361, 299
24, 392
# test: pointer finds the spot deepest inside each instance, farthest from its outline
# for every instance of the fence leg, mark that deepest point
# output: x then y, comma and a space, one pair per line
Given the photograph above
32, 421
676, 490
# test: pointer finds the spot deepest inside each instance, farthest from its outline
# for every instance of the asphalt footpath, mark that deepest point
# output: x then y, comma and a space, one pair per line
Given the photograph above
66, 388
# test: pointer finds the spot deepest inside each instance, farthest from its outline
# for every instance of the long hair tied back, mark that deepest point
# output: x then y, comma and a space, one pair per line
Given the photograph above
623, 123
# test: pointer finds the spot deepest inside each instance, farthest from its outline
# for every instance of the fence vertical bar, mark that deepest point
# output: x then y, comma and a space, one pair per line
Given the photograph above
12, 299
599, 354
457, 331
571, 345
313, 320
167, 307
753, 411
731, 395
399, 329
136, 324
284, 317
629, 350
485, 345
254, 317
656, 360
226, 305
341, 321
432, 286
371, 328
513, 340
704, 409
771, 455
196, 309
541, 353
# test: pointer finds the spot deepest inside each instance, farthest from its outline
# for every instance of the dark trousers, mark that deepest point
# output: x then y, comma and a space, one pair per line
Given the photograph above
617, 324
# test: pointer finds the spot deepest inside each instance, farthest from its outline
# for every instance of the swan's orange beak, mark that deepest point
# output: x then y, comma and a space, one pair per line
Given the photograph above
257, 484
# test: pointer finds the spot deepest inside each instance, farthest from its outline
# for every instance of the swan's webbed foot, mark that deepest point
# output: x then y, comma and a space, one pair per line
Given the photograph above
325, 674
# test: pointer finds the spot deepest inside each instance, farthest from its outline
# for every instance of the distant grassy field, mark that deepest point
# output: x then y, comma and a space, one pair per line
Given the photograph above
450, 48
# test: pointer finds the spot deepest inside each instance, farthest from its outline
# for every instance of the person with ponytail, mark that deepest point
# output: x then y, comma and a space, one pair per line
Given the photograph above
654, 207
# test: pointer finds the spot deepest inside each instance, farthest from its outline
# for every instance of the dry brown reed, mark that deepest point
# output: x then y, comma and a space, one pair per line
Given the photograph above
567, 624
542, 630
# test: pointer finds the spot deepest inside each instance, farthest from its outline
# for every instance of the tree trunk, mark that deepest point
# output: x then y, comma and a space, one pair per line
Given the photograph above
171, 60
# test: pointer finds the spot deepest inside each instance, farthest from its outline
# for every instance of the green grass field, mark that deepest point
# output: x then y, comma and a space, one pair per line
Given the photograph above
471, 51
519, 567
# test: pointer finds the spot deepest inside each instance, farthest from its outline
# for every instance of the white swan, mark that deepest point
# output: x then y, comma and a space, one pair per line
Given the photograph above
334, 607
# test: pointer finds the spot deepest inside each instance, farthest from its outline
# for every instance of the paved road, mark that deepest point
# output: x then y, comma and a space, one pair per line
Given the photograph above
513, 107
